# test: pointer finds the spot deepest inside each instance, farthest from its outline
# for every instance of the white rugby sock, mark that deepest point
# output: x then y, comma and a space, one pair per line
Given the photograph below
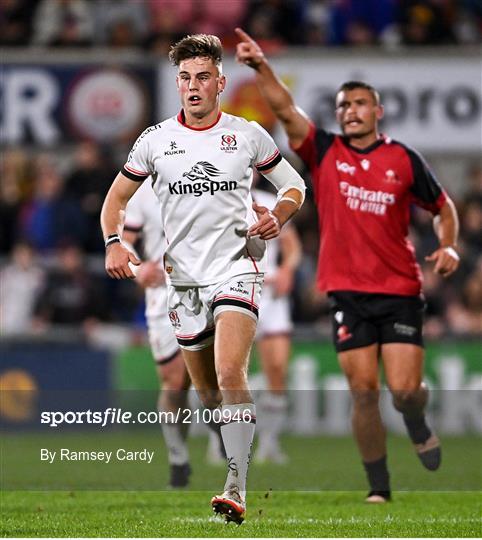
177, 452
238, 440
272, 418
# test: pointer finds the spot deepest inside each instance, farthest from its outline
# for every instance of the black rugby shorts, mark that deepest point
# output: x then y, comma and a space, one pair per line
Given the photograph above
362, 319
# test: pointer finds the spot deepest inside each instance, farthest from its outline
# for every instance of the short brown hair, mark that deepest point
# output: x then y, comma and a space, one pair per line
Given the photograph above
353, 85
203, 45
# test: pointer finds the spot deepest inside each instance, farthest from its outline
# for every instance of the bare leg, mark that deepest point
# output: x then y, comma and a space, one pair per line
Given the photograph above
175, 383
233, 339
274, 352
403, 364
200, 366
361, 369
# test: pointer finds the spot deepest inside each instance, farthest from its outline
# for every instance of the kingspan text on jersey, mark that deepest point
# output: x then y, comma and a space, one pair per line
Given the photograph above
198, 188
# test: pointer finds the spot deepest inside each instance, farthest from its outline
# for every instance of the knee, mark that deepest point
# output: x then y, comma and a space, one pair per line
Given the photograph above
275, 377
231, 378
276, 366
174, 382
405, 399
174, 377
210, 398
365, 399
365, 393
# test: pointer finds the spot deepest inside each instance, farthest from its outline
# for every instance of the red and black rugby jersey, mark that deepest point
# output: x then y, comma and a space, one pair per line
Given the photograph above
363, 199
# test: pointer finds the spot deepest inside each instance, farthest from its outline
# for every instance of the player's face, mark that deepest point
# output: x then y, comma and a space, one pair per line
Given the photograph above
199, 83
358, 113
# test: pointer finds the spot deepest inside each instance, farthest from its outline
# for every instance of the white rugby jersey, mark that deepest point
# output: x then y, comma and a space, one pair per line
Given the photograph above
143, 215
202, 178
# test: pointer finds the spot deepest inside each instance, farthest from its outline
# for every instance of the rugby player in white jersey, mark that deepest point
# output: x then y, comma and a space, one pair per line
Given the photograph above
273, 335
273, 341
143, 220
201, 163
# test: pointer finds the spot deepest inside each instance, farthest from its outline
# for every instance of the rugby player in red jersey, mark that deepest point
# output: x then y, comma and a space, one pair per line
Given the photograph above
364, 184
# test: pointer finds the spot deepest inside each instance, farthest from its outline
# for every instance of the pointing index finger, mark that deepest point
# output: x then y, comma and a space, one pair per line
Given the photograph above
243, 35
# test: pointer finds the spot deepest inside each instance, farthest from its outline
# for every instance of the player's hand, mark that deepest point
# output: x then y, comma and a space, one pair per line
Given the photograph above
283, 281
150, 274
248, 51
117, 259
446, 261
267, 226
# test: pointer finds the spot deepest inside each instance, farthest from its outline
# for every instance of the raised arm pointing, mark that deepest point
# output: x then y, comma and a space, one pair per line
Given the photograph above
276, 93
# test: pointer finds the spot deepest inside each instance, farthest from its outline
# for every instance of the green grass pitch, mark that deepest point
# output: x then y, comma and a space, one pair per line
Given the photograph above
450, 506
282, 514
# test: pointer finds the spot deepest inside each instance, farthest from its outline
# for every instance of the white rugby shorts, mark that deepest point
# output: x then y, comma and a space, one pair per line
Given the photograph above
193, 310
162, 340
274, 314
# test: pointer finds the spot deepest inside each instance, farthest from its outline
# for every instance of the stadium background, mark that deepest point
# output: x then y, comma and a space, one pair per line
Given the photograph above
80, 79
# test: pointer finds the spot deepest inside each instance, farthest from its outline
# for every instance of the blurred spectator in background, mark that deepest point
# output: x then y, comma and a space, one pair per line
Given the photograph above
156, 24
122, 35
421, 231
120, 23
64, 23
316, 23
464, 313
360, 34
474, 181
170, 20
468, 25
472, 295
427, 22
14, 187
16, 21
435, 322
275, 23
219, 17
88, 184
71, 296
472, 225
20, 283
471, 232
360, 23
49, 217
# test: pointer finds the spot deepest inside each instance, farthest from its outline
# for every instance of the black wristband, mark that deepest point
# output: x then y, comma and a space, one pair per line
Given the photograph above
112, 239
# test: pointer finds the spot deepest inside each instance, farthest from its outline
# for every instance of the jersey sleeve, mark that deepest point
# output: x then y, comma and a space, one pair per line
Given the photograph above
426, 190
267, 154
138, 166
315, 146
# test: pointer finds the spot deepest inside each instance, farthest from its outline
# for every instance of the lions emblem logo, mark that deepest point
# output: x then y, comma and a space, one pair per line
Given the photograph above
202, 170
